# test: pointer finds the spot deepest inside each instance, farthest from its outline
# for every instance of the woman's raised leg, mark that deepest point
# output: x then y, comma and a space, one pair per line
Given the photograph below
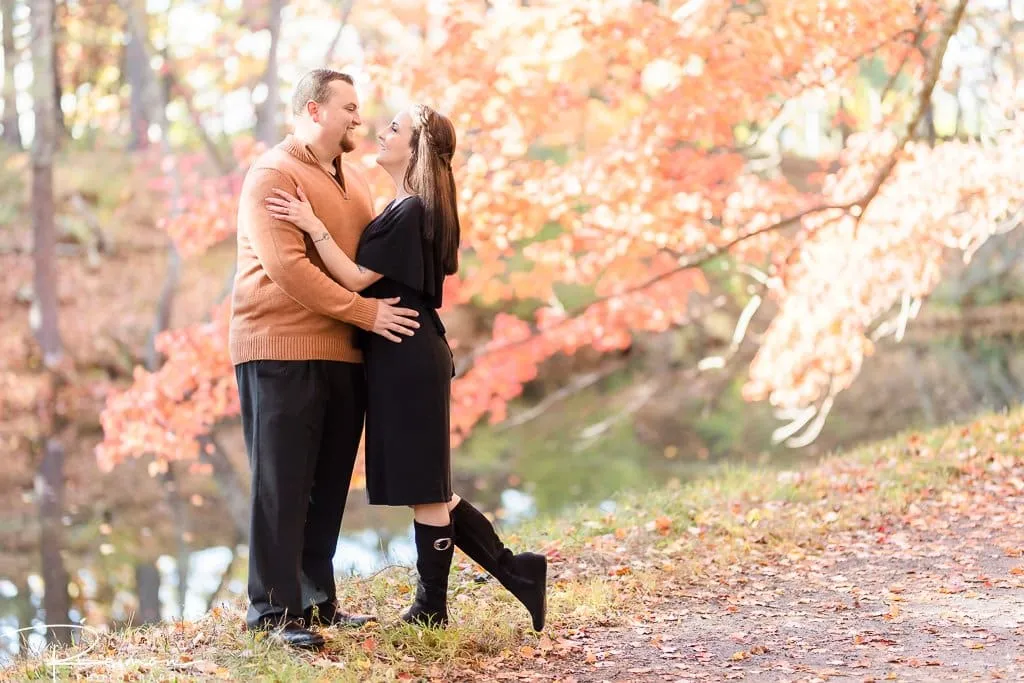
524, 575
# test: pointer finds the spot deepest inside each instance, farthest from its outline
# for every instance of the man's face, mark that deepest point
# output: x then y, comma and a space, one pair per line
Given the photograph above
338, 116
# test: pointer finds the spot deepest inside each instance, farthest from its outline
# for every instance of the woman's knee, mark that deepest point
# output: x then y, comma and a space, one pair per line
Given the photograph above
433, 514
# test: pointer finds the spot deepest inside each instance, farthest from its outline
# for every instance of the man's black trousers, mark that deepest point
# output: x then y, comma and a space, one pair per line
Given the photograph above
302, 422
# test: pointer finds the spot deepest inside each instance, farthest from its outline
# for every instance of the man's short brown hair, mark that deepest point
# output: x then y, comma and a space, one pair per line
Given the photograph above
315, 86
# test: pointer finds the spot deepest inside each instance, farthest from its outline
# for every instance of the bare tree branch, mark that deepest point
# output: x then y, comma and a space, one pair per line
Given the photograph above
346, 10
186, 94
924, 98
98, 244
643, 394
915, 45
700, 258
578, 384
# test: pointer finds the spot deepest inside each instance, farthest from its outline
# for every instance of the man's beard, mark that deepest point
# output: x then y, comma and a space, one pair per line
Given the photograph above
347, 143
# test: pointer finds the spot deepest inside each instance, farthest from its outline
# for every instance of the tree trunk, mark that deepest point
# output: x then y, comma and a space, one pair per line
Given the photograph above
154, 97
844, 127
50, 477
12, 133
267, 129
147, 586
24, 611
232, 488
165, 304
929, 124
184, 553
58, 93
1014, 63
958, 131
236, 564
50, 493
134, 69
155, 100
44, 318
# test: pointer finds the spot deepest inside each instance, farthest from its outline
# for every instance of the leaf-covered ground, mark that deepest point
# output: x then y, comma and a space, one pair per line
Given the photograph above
930, 591
899, 561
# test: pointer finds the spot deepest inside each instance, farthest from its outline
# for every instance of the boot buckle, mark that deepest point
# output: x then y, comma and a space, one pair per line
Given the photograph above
442, 544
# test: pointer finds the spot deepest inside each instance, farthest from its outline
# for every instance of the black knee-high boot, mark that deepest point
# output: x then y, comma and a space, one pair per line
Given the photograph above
434, 550
524, 575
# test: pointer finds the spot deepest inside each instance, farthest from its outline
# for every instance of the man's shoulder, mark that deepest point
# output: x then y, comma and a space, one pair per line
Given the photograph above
274, 166
275, 159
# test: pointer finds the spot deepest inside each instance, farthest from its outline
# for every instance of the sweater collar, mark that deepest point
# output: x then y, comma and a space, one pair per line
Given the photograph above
303, 152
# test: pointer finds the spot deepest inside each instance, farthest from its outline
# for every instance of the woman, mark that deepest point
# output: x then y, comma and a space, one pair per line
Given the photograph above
407, 251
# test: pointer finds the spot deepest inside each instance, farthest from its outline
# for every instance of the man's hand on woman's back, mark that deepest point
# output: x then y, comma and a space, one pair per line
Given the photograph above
392, 320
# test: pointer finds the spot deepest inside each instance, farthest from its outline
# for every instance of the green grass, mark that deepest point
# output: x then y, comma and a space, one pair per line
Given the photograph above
603, 565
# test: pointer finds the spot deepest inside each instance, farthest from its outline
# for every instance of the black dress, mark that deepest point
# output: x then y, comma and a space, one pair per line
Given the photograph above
408, 451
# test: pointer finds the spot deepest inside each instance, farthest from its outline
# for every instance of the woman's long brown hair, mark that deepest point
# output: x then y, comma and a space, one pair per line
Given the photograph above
430, 176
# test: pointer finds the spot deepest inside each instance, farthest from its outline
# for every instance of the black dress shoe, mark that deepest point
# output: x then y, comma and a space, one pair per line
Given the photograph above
296, 636
293, 634
345, 620
329, 615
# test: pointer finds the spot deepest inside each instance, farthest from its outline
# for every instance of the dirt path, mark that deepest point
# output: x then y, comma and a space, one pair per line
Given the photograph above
937, 594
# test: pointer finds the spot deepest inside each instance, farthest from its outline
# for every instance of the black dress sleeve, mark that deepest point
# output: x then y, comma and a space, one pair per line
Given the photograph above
393, 245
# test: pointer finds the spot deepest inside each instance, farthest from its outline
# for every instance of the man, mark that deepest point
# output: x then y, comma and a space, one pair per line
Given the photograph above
299, 373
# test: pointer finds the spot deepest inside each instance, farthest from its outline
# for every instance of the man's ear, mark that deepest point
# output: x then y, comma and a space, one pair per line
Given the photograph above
313, 109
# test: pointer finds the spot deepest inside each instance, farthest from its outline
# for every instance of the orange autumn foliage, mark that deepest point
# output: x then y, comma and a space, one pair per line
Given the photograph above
601, 148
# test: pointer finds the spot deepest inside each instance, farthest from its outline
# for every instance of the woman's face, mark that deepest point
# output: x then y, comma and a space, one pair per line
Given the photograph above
395, 152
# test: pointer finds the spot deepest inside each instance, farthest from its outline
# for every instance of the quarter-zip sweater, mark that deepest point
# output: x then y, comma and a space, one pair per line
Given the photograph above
284, 305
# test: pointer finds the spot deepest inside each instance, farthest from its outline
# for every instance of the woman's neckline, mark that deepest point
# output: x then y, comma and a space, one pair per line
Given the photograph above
398, 200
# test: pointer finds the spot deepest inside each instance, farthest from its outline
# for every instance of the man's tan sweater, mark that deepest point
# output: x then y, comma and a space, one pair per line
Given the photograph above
284, 305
